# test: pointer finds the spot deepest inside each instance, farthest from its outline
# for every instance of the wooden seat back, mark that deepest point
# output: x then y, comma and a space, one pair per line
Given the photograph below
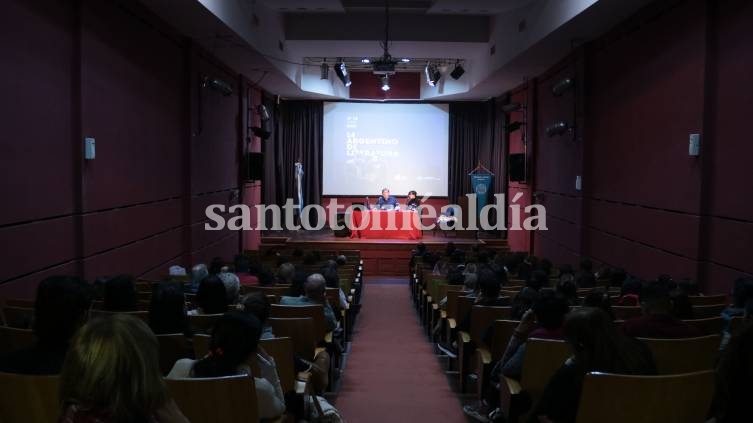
542, 359
12, 339
333, 296
684, 355
708, 311
281, 349
216, 399
709, 326
29, 398
482, 319
626, 312
503, 330
172, 347
20, 302
203, 323
18, 317
630, 399
701, 300
452, 303
278, 290
300, 330
143, 315
201, 345
314, 311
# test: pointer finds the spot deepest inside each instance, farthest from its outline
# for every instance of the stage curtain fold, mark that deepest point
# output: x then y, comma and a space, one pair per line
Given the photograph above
474, 136
298, 135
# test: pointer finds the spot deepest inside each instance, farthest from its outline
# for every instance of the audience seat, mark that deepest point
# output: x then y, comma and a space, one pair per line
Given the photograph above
481, 319
278, 290
217, 399
701, 300
281, 349
709, 326
487, 355
314, 311
684, 355
626, 312
707, 311
542, 359
18, 317
646, 399
12, 339
29, 399
300, 330
172, 347
143, 315
203, 323
20, 302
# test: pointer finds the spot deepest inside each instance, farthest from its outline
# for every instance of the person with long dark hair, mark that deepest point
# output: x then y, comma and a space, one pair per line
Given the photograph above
167, 309
211, 298
234, 343
597, 347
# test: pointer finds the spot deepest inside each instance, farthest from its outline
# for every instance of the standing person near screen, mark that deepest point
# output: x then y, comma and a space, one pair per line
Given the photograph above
412, 203
386, 201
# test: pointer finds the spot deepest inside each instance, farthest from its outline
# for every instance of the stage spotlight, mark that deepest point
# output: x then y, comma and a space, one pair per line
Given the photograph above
432, 74
405, 60
342, 73
385, 83
560, 87
325, 71
558, 128
366, 60
457, 72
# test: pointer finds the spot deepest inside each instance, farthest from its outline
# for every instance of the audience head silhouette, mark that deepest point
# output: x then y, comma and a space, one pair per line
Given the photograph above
235, 337
120, 294
167, 309
211, 297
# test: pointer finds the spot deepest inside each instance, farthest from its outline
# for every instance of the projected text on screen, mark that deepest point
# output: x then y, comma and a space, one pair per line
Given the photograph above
368, 146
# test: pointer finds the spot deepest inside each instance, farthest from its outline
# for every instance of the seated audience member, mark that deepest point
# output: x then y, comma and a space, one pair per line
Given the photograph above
657, 321
682, 308
257, 304
488, 290
523, 301
599, 298
211, 297
544, 321
235, 341
296, 288
742, 292
734, 374
525, 271
333, 281
167, 309
567, 288
241, 263
545, 265
630, 293
61, 307
198, 273
232, 286
585, 280
597, 347
566, 269
266, 278
617, 277
341, 260
216, 266
314, 293
285, 274
111, 375
120, 294
537, 280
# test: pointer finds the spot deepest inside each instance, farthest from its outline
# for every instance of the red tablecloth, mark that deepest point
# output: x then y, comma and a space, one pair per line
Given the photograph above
378, 221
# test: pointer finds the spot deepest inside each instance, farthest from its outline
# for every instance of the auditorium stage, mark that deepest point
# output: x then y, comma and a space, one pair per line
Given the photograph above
384, 257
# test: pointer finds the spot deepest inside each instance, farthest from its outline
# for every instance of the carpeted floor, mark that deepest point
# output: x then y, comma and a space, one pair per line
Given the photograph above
392, 374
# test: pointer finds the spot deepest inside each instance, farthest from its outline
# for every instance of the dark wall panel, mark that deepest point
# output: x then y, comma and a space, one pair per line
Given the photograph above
133, 104
403, 86
110, 229
137, 258
214, 141
26, 286
679, 232
645, 98
37, 110
31, 247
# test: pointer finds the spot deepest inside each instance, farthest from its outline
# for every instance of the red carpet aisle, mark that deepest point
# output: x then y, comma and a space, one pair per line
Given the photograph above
392, 374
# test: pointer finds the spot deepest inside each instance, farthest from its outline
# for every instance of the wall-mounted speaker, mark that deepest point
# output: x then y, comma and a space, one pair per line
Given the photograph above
254, 166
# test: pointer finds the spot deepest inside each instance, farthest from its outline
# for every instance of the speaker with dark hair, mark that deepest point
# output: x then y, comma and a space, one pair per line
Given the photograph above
254, 166
517, 163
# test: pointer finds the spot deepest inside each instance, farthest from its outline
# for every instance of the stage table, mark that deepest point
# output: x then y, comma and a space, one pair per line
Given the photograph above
378, 221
